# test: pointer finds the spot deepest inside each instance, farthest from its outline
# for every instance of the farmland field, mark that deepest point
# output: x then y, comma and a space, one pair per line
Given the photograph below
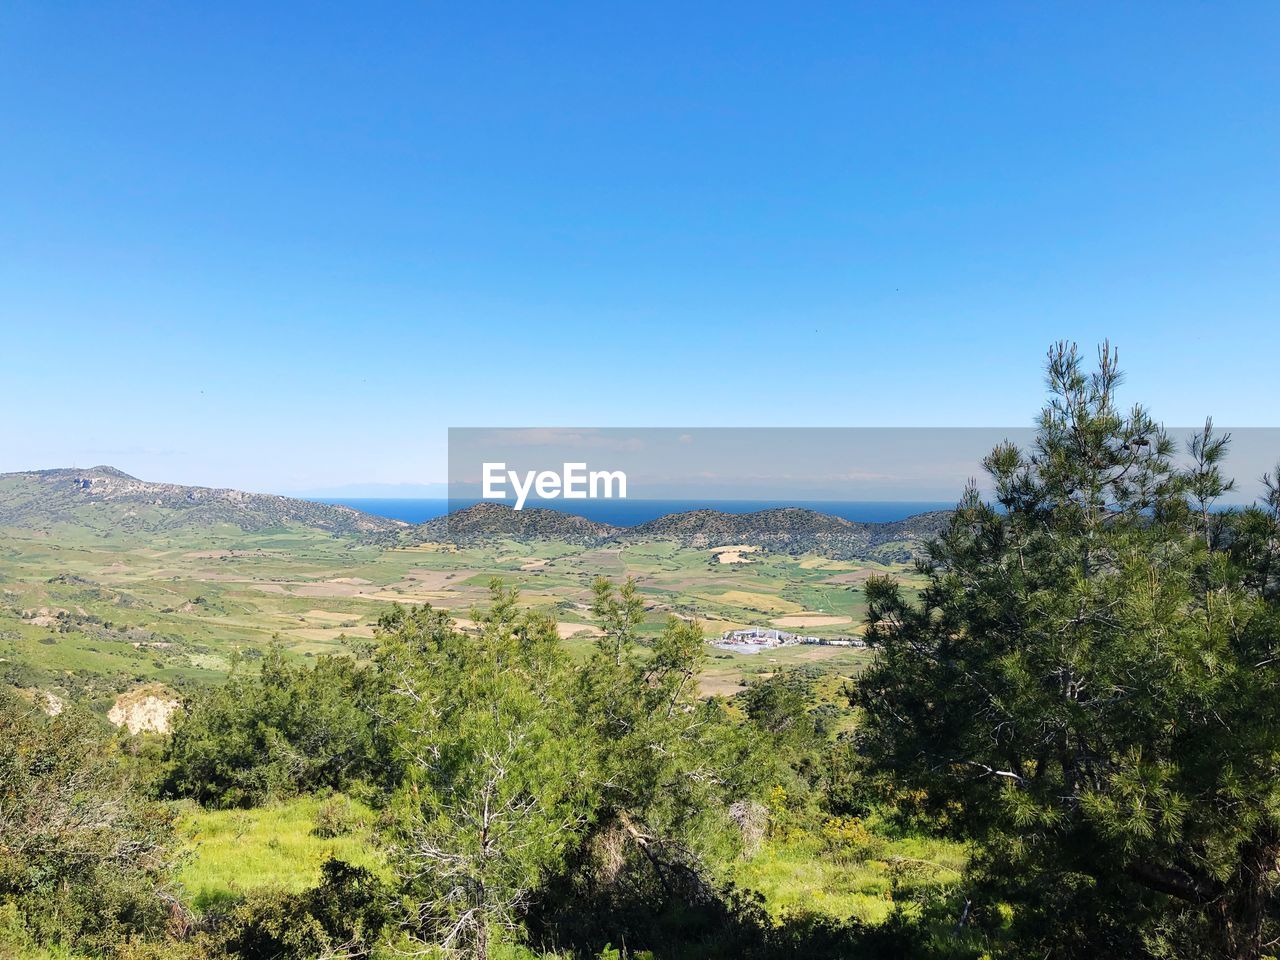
87, 614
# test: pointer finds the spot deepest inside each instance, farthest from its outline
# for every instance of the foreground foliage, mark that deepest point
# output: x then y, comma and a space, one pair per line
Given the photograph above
1089, 687
84, 857
288, 729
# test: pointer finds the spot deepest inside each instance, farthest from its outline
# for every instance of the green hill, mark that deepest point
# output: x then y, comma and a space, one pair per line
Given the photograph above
788, 530
106, 499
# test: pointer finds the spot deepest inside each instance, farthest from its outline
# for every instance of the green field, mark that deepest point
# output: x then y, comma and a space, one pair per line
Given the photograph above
229, 852
86, 614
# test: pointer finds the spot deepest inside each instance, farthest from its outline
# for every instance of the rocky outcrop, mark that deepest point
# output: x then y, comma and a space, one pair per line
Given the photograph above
145, 710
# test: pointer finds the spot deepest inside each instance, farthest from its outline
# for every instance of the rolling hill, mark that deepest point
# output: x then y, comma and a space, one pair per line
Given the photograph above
110, 501
789, 530
104, 498
795, 530
489, 522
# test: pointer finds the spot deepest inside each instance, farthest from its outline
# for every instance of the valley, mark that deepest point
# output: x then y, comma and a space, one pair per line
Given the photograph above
106, 585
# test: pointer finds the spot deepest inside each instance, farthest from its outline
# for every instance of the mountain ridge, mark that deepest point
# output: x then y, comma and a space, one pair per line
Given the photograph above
790, 530
105, 497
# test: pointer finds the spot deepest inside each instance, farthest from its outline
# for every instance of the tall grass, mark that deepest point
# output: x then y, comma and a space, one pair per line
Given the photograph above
799, 873
231, 851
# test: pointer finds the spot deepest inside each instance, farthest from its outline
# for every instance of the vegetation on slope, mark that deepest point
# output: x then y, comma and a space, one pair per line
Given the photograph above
784, 530
490, 522
794, 530
106, 499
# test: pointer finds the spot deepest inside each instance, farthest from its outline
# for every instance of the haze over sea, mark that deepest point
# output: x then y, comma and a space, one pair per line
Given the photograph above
629, 513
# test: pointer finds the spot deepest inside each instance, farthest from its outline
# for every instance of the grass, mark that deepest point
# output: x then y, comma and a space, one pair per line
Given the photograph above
88, 615
799, 873
34, 953
231, 851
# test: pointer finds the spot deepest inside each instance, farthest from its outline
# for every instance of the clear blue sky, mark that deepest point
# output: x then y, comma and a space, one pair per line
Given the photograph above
285, 246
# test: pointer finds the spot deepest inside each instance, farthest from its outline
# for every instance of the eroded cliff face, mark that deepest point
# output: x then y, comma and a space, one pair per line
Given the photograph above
145, 710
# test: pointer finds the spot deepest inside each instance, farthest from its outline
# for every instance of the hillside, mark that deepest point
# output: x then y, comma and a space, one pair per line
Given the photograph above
489, 522
104, 498
788, 530
794, 530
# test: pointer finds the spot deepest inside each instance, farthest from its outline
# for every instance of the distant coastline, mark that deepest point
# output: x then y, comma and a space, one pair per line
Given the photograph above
630, 513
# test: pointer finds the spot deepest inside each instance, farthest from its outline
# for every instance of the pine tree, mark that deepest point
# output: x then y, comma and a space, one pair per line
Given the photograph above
1088, 686
493, 796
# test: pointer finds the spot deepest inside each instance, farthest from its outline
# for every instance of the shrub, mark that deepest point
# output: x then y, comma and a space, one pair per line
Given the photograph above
85, 859
290, 730
336, 817
343, 916
848, 840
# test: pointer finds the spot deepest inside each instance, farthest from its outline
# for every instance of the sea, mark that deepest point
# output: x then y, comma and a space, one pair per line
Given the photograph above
630, 513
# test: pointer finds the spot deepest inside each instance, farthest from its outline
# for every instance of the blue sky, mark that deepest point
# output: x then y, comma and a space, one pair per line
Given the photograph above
286, 248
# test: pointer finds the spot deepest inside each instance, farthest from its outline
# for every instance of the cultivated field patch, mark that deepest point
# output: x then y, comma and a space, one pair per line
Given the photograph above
810, 620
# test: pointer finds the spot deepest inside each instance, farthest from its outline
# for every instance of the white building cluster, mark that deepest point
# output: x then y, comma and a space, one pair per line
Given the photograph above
767, 637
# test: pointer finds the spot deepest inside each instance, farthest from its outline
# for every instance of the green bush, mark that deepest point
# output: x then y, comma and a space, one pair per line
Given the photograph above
84, 859
289, 730
336, 817
343, 916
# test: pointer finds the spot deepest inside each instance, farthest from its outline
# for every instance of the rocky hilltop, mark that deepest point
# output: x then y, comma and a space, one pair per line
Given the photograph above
790, 530
105, 498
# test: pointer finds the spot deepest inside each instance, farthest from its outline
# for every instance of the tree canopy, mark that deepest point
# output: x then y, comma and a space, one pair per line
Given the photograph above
1088, 685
